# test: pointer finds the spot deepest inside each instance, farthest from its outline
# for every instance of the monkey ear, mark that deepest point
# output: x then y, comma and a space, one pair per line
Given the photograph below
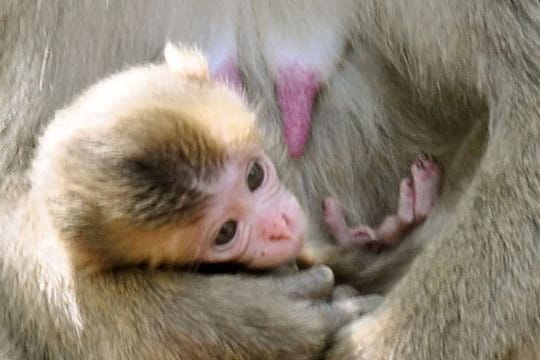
186, 62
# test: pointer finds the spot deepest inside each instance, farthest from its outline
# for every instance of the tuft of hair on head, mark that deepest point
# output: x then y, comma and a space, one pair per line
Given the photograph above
188, 62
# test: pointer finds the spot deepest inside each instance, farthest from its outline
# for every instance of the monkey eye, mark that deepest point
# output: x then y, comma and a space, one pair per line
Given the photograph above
226, 233
255, 176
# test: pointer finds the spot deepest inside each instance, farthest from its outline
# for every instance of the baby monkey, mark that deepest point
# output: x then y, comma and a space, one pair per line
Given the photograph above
159, 165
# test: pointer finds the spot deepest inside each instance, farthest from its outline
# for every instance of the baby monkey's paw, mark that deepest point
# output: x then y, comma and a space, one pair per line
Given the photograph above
418, 193
340, 231
426, 177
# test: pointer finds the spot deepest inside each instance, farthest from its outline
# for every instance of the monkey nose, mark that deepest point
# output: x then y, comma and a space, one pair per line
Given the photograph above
277, 228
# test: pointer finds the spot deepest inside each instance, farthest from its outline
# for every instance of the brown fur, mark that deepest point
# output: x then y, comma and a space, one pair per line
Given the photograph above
136, 159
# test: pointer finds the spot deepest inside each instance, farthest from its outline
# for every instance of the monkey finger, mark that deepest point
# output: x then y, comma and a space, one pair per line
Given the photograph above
313, 283
284, 270
361, 304
342, 292
342, 312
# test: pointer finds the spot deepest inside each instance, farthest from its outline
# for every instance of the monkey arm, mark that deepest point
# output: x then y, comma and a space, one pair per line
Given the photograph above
195, 316
474, 292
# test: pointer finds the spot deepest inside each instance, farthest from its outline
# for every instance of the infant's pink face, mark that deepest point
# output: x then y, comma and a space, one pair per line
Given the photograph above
253, 220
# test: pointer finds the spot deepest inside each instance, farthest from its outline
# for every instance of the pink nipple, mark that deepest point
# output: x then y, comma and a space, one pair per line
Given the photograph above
296, 88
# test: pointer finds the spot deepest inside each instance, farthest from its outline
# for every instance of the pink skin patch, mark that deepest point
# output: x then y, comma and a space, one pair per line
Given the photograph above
296, 88
228, 72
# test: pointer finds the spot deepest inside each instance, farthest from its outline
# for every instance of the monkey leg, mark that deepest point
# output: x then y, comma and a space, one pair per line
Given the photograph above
344, 236
462, 290
417, 196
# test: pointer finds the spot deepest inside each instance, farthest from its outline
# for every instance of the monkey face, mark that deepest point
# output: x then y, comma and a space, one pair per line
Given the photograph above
254, 220
172, 174
250, 218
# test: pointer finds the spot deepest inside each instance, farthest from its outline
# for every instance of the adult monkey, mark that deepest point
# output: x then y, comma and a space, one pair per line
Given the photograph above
419, 70
49, 51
